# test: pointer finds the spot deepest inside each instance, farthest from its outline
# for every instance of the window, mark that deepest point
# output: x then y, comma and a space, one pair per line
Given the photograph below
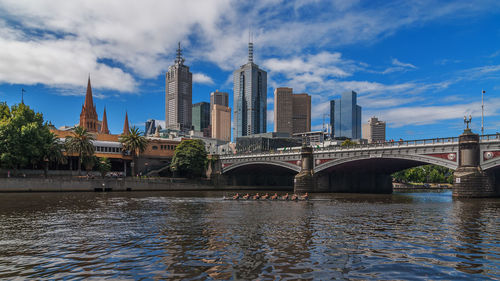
155, 147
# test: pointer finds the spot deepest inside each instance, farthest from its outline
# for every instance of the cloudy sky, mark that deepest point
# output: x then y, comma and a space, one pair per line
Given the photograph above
419, 65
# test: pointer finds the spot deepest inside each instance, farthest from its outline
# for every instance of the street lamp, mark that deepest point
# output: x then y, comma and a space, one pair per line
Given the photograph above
482, 112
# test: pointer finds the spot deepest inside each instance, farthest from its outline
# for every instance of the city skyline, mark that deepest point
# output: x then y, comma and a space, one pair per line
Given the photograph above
420, 72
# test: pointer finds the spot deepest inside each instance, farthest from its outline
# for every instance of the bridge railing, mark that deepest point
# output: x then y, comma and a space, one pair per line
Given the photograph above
491, 137
387, 144
391, 144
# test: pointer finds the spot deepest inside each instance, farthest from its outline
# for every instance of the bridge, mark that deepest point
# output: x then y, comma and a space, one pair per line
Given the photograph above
367, 168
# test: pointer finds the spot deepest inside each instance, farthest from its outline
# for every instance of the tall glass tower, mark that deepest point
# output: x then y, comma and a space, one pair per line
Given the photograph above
250, 98
345, 116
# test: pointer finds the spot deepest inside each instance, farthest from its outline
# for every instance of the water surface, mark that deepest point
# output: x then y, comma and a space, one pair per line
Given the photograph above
196, 236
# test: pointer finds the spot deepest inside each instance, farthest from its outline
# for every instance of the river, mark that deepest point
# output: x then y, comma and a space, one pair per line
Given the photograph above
197, 236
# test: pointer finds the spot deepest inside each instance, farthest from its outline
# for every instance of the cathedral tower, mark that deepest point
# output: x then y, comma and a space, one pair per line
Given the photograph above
88, 116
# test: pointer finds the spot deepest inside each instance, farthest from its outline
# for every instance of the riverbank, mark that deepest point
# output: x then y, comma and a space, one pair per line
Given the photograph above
421, 186
70, 184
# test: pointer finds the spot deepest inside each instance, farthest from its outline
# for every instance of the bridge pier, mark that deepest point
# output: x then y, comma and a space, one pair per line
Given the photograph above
304, 181
470, 181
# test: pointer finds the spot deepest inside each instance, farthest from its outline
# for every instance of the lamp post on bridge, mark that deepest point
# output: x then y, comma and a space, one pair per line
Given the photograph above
482, 111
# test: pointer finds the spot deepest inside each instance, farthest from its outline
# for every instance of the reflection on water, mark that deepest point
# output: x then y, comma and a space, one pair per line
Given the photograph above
200, 236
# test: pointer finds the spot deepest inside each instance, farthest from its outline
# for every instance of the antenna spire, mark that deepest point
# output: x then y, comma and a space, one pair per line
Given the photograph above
179, 59
250, 47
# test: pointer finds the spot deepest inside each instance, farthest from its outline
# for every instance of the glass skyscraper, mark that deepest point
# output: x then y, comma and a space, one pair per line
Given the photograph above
250, 98
345, 116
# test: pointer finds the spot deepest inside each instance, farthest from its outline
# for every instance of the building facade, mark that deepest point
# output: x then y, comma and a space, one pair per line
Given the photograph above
345, 116
374, 130
292, 112
178, 95
221, 98
221, 122
250, 98
201, 116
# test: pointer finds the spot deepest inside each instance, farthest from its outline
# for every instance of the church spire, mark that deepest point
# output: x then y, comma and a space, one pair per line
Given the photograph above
126, 129
89, 102
104, 125
88, 116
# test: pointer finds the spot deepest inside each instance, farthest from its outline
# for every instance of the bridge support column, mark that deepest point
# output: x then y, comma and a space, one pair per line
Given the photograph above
470, 181
213, 171
304, 181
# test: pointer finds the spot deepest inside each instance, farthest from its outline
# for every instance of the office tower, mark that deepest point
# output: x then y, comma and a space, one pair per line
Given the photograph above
217, 97
292, 112
250, 98
221, 122
220, 116
88, 116
301, 115
201, 116
374, 130
346, 116
332, 118
178, 95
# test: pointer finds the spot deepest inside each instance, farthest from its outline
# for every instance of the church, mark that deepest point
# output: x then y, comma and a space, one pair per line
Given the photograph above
156, 156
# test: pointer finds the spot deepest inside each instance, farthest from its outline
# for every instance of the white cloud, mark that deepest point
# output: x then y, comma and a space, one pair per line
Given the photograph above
55, 63
119, 40
402, 64
424, 115
399, 67
202, 79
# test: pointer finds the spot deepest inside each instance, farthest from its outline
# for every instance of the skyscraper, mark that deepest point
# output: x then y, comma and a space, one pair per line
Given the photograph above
345, 115
292, 112
178, 95
221, 122
201, 116
217, 97
250, 98
374, 130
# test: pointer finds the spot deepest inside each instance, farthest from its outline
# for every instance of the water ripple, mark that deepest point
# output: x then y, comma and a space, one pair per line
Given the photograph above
196, 237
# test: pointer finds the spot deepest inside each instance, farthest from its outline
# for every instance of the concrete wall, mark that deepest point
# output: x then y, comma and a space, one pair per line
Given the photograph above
91, 185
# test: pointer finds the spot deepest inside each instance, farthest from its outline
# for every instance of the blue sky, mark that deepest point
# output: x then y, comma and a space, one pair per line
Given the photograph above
419, 65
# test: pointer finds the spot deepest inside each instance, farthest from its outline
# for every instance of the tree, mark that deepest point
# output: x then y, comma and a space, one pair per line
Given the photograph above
53, 152
190, 158
426, 173
347, 143
134, 142
24, 137
81, 144
104, 166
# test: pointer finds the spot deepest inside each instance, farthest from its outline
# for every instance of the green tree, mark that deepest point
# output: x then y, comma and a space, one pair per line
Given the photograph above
81, 144
23, 136
134, 142
348, 143
104, 166
190, 158
53, 152
426, 173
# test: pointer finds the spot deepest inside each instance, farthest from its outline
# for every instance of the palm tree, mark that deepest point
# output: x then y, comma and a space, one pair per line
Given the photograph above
53, 152
134, 142
80, 143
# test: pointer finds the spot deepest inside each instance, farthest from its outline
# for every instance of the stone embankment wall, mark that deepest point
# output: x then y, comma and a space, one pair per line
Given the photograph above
121, 184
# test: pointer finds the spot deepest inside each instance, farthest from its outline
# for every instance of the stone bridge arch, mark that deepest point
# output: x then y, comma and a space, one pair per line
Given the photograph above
293, 167
407, 159
267, 174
